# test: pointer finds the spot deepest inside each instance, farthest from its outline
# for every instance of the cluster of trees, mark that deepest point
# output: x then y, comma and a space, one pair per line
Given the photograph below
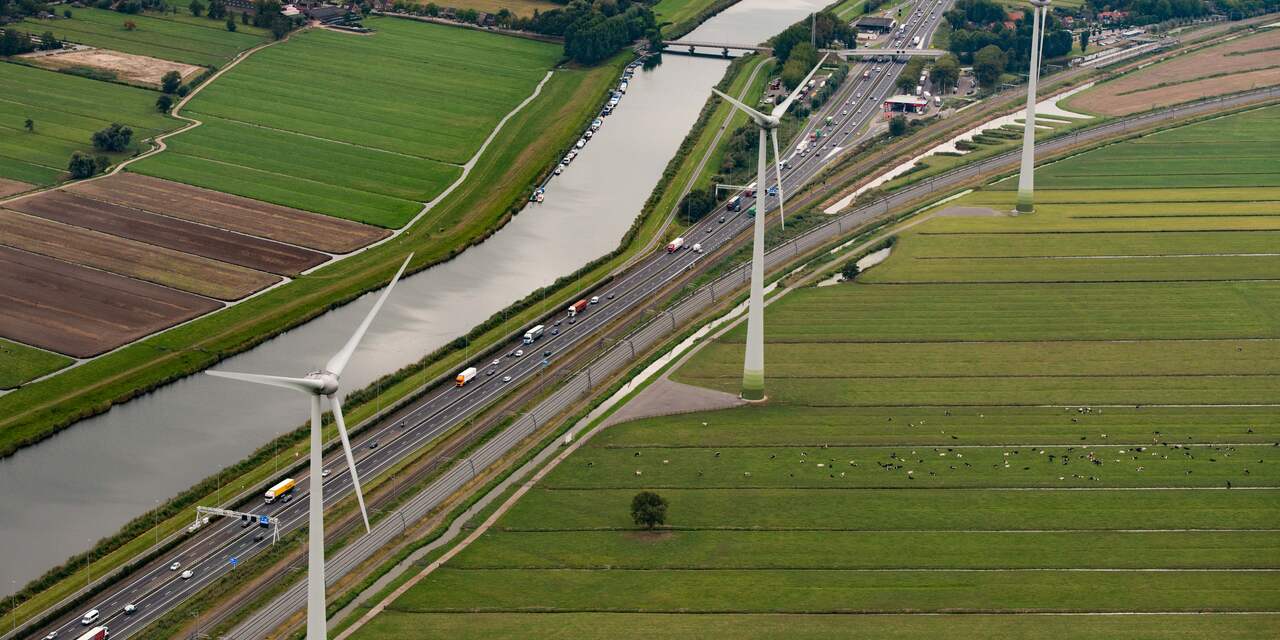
1152, 11
594, 34
825, 30
14, 42
697, 204
114, 138
979, 27
592, 31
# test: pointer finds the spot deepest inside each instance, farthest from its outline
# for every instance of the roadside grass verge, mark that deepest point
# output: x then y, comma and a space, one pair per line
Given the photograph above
20, 363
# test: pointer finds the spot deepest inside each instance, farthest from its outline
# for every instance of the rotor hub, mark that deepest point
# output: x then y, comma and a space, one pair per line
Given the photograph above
329, 381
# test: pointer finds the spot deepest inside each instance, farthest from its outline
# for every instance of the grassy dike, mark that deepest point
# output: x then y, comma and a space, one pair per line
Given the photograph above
407, 384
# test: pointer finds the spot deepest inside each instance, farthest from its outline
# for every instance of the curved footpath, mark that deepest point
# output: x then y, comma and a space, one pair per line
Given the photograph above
621, 354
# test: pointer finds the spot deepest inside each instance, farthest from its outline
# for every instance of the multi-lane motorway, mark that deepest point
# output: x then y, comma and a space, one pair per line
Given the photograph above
208, 553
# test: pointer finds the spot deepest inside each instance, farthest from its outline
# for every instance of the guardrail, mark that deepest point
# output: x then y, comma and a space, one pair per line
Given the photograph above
621, 353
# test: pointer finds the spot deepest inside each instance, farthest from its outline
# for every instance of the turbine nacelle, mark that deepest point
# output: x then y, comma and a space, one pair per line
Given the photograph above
328, 382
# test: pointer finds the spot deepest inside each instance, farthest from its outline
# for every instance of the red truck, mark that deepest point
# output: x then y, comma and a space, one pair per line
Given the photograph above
577, 307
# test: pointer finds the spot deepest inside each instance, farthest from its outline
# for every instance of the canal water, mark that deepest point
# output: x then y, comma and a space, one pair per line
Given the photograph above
62, 495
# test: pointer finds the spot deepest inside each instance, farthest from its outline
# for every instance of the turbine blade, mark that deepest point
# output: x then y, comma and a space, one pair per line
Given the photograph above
781, 109
305, 385
756, 116
777, 167
339, 360
351, 460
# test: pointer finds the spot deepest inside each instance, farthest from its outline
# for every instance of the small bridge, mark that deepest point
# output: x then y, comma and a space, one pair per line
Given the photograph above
725, 48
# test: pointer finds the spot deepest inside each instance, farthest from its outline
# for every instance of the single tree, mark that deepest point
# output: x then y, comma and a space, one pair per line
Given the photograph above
66, 13
850, 270
988, 63
231, 23
29, 125
898, 126
244, 18
280, 27
49, 42
164, 103
1084, 40
197, 9
217, 9
81, 165
648, 509
170, 82
130, 25
113, 138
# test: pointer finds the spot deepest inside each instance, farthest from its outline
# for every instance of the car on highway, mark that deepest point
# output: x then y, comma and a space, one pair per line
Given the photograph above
186, 575
130, 608
490, 372
519, 353
175, 566
51, 636
610, 296
546, 354
90, 617
193, 528
373, 444
555, 332
259, 536
324, 473
721, 220
595, 299
506, 378
245, 522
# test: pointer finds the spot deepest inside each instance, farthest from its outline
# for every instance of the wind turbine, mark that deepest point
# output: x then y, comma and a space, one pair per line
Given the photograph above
1026, 173
317, 384
753, 365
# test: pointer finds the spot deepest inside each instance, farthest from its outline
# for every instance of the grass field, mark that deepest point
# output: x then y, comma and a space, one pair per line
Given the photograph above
517, 7
939, 443
65, 111
180, 37
22, 363
368, 138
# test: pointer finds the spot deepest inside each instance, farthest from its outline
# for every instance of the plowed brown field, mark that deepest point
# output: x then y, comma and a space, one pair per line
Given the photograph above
130, 257
81, 311
9, 187
1239, 65
180, 235
235, 213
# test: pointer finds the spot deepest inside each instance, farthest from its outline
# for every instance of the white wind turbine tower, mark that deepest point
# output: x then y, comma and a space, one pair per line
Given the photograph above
753, 365
1026, 174
317, 384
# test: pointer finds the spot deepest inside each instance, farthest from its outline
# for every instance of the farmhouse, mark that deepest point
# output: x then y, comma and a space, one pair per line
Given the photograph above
876, 24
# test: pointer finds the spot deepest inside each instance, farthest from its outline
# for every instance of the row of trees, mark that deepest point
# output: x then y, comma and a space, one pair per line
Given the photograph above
826, 29
14, 42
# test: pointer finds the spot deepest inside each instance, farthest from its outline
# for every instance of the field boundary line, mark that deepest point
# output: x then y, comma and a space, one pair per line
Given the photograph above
342, 142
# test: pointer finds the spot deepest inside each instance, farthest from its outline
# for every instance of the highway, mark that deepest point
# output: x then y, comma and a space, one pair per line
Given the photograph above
155, 589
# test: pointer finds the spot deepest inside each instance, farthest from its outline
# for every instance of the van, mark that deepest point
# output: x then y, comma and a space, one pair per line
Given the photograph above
90, 617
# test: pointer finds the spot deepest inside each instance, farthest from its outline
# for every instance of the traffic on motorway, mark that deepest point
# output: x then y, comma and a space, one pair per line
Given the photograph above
216, 548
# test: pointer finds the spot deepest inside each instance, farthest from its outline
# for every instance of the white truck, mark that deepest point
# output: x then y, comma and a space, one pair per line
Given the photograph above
466, 376
675, 245
533, 334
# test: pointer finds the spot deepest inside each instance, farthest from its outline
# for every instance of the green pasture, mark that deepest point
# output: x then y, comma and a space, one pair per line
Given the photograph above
753, 626
20, 363
177, 37
918, 508
365, 128
66, 110
779, 425
832, 591
703, 549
